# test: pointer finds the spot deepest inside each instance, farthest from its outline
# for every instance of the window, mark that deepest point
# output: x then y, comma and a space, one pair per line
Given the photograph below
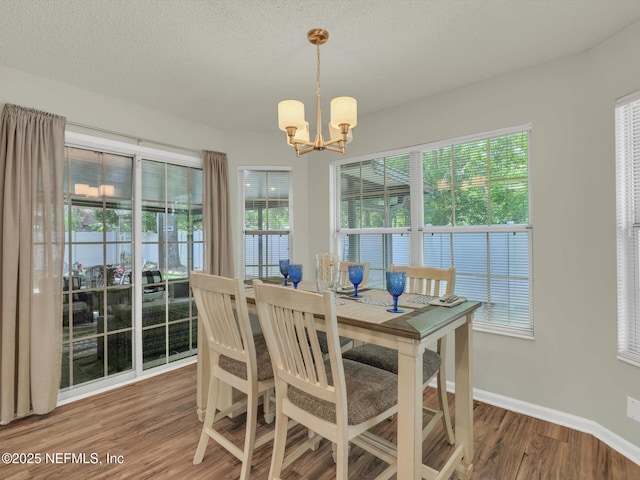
266, 213
133, 220
628, 225
375, 213
461, 203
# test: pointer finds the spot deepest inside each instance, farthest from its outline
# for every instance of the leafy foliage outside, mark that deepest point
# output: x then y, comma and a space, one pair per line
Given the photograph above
477, 183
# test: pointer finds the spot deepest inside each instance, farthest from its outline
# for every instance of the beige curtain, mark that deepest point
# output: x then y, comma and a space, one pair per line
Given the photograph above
31, 256
218, 251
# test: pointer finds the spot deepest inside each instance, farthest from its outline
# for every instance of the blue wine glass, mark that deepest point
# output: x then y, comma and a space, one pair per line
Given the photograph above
284, 270
295, 274
395, 286
355, 277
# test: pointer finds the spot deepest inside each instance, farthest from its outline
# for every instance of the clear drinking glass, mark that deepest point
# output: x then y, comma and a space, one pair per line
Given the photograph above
327, 272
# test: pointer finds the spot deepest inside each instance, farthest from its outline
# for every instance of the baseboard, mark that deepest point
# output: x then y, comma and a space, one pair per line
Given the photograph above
624, 447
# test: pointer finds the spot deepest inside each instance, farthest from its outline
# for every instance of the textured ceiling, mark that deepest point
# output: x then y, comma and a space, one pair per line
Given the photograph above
227, 63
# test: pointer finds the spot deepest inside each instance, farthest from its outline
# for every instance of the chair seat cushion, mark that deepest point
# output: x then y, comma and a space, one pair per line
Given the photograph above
370, 391
387, 359
324, 346
263, 360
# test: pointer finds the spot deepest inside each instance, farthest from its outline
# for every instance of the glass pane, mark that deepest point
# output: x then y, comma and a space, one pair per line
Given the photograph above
470, 253
194, 334
119, 352
118, 220
380, 250
119, 308
471, 205
153, 311
510, 254
179, 307
509, 156
86, 365
118, 173
179, 340
65, 317
262, 254
509, 304
153, 181
278, 200
87, 222
154, 344
373, 212
196, 186
86, 170
196, 221
437, 250
399, 210
198, 256
179, 290
510, 202
470, 174
178, 186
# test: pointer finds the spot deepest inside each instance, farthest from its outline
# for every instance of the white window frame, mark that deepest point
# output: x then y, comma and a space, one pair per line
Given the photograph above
418, 228
241, 209
627, 127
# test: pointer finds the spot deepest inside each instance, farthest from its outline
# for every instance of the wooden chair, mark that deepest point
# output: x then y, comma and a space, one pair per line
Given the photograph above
344, 273
338, 399
237, 358
424, 281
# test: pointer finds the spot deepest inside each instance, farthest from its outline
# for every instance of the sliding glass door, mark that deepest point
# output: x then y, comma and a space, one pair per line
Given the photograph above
97, 306
171, 248
133, 232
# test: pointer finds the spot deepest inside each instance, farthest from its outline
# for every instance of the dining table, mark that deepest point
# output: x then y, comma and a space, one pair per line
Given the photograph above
420, 323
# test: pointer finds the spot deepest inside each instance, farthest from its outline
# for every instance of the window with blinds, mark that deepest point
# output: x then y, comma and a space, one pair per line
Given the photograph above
461, 203
628, 225
375, 213
266, 198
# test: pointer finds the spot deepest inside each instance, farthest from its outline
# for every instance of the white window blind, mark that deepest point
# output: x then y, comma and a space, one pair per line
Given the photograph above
628, 225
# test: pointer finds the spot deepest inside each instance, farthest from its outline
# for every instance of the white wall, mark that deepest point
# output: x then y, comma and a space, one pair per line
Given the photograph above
571, 366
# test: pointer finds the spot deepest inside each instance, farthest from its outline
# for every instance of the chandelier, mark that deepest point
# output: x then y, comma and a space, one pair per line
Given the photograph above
344, 114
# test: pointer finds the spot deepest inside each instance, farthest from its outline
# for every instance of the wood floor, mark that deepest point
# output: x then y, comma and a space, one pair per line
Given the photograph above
149, 430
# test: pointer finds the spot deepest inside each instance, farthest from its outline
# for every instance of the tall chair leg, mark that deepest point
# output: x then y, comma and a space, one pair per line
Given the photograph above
342, 459
250, 435
212, 406
279, 443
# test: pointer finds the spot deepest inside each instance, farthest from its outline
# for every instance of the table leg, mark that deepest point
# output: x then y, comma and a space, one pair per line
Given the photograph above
409, 409
464, 396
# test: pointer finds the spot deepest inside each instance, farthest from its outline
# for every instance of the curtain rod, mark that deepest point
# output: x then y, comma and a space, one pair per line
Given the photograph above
138, 139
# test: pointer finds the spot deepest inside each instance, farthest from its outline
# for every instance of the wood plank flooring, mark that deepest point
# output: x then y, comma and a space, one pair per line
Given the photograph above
151, 428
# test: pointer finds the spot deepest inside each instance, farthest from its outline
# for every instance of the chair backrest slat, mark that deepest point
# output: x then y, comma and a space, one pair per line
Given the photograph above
222, 308
290, 321
428, 280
